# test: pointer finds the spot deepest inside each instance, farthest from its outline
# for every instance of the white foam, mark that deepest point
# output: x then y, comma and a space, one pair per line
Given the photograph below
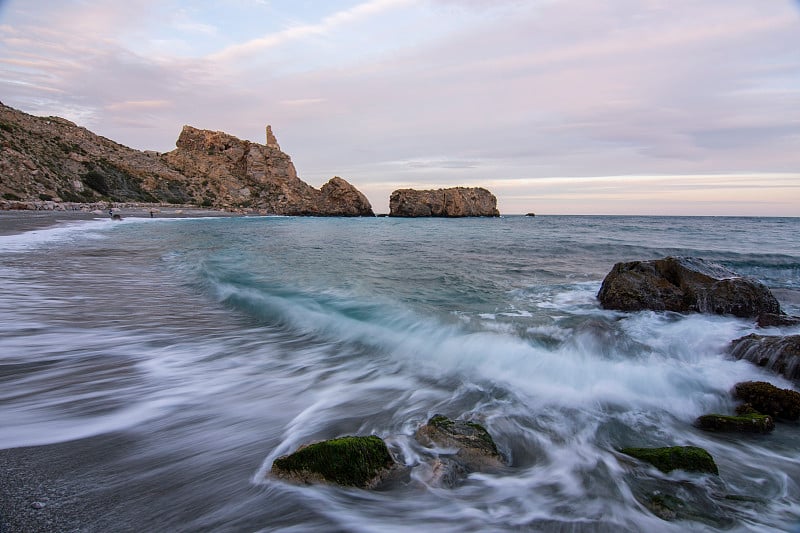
23, 242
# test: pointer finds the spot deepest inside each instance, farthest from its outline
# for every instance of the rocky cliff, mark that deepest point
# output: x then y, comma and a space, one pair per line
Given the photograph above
50, 158
453, 202
241, 173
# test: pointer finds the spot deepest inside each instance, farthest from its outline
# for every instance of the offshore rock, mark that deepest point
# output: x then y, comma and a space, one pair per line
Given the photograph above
688, 458
777, 353
475, 449
349, 461
453, 202
683, 285
768, 399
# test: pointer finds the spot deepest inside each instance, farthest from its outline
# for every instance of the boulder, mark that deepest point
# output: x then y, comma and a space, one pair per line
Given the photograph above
683, 285
349, 461
667, 459
746, 423
453, 202
475, 450
768, 399
777, 353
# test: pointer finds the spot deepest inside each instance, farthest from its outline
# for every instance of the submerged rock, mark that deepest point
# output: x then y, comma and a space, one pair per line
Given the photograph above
779, 354
768, 399
745, 423
453, 202
672, 500
684, 284
476, 451
667, 459
349, 461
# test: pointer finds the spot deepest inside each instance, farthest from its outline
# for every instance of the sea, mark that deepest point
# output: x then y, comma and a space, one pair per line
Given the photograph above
194, 351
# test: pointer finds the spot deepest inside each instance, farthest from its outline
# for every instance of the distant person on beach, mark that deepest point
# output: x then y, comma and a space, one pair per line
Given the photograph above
151, 213
111, 212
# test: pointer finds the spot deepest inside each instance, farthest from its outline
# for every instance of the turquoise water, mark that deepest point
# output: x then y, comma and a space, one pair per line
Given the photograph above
212, 346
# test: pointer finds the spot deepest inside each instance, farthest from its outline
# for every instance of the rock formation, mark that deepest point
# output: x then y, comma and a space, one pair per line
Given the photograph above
745, 423
779, 354
348, 461
245, 174
52, 159
453, 202
684, 284
768, 320
475, 450
687, 458
768, 399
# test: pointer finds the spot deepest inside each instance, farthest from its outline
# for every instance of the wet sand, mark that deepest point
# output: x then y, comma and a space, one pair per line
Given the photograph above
50, 488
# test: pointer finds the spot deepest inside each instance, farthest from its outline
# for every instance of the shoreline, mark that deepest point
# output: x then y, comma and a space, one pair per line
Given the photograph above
16, 221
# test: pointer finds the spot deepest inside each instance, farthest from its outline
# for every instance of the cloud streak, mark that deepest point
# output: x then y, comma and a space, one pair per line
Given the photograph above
327, 25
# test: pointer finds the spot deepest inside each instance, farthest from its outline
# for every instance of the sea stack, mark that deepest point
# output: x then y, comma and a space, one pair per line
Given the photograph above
452, 202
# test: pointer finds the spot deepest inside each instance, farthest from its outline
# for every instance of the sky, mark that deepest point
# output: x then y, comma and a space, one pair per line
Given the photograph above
651, 107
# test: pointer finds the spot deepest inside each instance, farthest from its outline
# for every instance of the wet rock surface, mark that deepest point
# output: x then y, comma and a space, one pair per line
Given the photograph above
684, 285
667, 459
348, 461
745, 423
471, 449
768, 399
781, 354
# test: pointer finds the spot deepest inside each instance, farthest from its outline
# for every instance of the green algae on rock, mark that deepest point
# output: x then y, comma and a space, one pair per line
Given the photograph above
667, 459
745, 423
349, 461
768, 399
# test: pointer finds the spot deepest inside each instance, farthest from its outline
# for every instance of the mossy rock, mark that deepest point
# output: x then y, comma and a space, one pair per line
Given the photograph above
667, 459
348, 461
744, 423
769, 399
